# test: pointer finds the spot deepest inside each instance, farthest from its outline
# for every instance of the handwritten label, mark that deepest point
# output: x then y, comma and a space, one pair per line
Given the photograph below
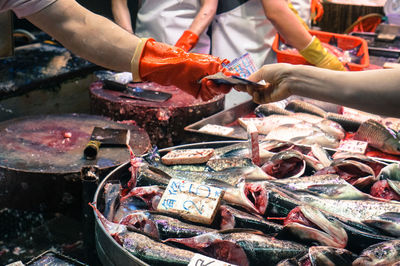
196, 202
353, 146
200, 260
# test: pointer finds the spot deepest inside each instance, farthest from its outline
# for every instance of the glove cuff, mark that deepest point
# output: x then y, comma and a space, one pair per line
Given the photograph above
136, 59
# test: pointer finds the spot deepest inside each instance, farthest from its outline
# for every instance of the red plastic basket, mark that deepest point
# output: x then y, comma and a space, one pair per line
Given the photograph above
345, 42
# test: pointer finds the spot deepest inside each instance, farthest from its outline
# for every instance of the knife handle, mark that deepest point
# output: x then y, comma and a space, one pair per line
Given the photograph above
91, 149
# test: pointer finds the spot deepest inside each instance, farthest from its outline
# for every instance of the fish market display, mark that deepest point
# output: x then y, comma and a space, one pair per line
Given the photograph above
299, 206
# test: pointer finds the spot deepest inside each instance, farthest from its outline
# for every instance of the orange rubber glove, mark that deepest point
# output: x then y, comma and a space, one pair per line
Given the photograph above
187, 41
170, 65
317, 10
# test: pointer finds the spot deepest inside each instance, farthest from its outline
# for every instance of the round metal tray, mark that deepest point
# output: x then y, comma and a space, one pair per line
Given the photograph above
108, 250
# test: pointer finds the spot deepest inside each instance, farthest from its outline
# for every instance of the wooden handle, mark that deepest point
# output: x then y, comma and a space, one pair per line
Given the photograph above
91, 149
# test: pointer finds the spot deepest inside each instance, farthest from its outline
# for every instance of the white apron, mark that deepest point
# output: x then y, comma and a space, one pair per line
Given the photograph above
166, 20
240, 30
304, 9
244, 29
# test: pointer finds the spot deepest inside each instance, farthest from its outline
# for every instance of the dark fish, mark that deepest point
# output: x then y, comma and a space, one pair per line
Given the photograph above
384, 253
310, 225
378, 136
230, 218
259, 248
350, 124
264, 110
323, 255
304, 107
163, 226
388, 223
149, 175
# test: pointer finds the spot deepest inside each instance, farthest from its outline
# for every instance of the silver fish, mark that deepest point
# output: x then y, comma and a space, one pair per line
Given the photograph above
378, 136
387, 222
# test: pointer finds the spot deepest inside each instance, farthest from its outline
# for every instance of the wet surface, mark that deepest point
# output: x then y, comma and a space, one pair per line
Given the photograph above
40, 65
55, 143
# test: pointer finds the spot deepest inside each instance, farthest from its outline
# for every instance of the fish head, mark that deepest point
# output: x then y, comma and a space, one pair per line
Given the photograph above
356, 173
257, 194
227, 218
391, 171
288, 163
384, 253
325, 255
388, 222
310, 224
141, 222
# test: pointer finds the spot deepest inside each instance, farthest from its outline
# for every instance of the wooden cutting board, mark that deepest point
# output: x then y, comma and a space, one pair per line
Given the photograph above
41, 156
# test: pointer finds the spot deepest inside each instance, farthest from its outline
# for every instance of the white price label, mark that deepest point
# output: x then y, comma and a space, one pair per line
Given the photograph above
201, 260
353, 146
196, 202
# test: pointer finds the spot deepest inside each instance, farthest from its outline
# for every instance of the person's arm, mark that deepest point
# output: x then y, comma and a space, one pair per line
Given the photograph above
374, 91
86, 34
200, 24
292, 30
121, 14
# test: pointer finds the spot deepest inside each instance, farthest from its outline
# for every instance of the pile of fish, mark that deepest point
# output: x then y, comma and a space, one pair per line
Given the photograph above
300, 206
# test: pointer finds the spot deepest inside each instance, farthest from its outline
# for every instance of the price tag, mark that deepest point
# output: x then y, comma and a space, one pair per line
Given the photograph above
353, 146
217, 130
196, 202
253, 138
200, 260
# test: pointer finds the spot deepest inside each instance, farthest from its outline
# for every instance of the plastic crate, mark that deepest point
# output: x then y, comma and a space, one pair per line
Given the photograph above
345, 42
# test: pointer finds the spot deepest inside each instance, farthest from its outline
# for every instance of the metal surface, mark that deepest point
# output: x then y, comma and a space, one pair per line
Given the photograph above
6, 34
109, 251
225, 118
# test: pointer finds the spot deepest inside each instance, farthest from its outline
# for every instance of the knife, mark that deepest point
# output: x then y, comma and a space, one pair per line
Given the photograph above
138, 93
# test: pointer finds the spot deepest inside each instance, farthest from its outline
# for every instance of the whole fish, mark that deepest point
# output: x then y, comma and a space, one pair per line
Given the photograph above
384, 253
165, 225
378, 136
266, 109
259, 248
111, 196
357, 210
350, 124
305, 107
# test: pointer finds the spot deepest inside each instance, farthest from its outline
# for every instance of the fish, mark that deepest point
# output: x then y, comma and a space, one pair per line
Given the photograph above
384, 253
226, 163
265, 124
375, 164
164, 225
264, 110
230, 217
391, 171
259, 248
350, 124
305, 107
142, 245
321, 155
111, 197
309, 225
302, 133
356, 173
388, 222
285, 164
356, 210
378, 136
138, 198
